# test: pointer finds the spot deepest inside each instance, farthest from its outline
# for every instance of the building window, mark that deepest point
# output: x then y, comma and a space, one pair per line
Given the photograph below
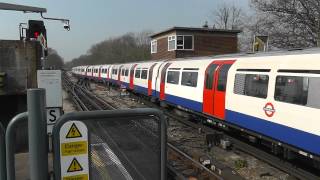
255, 85
180, 42
171, 43
153, 46
173, 77
189, 79
185, 42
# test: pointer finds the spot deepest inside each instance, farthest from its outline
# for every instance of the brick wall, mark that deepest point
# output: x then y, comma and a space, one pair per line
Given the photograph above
162, 50
204, 44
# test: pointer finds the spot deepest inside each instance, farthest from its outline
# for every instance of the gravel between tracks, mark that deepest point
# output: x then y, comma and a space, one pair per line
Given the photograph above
193, 143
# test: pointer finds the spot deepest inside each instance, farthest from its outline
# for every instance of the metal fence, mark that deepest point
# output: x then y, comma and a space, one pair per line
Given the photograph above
119, 144
123, 144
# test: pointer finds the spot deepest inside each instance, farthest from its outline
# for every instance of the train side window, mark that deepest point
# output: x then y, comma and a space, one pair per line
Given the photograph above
292, 89
223, 76
144, 74
173, 77
189, 79
210, 76
138, 73
127, 72
255, 85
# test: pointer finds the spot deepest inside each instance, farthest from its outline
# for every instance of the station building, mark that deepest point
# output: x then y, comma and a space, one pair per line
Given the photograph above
179, 42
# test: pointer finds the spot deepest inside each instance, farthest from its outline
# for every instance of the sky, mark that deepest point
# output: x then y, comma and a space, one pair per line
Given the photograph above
92, 21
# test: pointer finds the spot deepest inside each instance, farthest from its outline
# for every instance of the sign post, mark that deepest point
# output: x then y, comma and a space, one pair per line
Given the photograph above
50, 80
74, 151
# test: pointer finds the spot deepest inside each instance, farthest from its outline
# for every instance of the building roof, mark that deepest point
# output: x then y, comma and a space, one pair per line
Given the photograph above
193, 29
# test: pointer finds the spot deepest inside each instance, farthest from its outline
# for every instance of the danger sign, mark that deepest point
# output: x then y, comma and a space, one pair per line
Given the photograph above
74, 166
73, 132
74, 151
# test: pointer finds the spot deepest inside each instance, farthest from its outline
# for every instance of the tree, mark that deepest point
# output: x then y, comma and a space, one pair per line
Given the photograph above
54, 60
228, 17
126, 48
291, 23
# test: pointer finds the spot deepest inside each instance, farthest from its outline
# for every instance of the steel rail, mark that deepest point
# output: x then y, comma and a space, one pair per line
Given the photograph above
201, 167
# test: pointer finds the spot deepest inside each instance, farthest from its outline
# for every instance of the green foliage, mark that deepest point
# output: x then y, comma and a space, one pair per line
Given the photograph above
127, 48
54, 60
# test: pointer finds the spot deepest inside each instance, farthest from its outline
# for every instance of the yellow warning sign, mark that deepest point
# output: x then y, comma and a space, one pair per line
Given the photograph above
74, 166
73, 132
74, 148
77, 177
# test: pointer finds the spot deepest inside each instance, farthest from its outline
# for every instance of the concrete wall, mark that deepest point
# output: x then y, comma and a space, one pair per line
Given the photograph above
19, 61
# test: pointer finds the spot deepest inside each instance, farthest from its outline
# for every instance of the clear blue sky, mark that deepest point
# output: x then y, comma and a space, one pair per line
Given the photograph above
95, 20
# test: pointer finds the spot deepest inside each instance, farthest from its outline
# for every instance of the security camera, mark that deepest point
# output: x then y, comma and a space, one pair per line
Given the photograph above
66, 26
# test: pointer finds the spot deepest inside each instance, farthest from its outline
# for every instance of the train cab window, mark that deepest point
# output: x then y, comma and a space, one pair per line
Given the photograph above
173, 77
210, 76
189, 79
126, 72
144, 74
138, 73
223, 76
292, 89
255, 85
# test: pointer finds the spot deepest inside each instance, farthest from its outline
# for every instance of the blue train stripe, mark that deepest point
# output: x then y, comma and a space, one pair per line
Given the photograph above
141, 89
307, 141
186, 103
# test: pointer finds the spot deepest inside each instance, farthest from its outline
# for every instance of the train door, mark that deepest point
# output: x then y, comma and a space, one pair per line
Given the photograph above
108, 73
215, 87
150, 79
163, 81
99, 73
131, 86
119, 75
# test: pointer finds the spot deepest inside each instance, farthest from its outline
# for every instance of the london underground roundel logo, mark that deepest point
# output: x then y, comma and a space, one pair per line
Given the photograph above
269, 109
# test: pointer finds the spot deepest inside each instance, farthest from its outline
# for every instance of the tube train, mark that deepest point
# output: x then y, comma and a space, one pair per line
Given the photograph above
271, 97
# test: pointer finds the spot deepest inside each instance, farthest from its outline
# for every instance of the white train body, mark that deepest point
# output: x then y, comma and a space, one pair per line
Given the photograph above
275, 95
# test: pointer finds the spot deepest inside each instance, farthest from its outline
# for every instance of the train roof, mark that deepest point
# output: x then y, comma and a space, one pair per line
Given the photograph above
297, 51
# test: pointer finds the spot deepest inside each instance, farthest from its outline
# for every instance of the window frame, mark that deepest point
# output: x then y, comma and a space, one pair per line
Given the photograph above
172, 38
167, 75
244, 87
290, 76
146, 70
224, 83
182, 84
135, 73
183, 44
155, 44
175, 39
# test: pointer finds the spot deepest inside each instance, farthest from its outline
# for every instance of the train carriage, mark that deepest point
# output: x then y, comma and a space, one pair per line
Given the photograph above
273, 96
277, 96
142, 79
104, 73
124, 75
115, 74
96, 72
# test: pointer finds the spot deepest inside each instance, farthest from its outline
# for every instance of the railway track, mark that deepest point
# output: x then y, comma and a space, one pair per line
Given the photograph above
238, 143
181, 165
292, 169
